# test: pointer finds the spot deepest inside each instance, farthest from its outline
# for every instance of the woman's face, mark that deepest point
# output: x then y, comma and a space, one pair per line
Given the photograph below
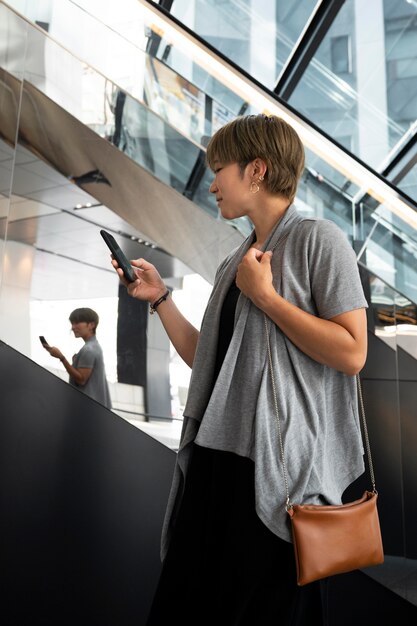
232, 190
85, 330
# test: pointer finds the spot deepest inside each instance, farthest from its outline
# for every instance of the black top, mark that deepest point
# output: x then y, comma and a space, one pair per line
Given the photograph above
227, 322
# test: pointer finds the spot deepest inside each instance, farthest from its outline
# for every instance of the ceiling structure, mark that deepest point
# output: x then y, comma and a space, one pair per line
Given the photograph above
315, 50
88, 182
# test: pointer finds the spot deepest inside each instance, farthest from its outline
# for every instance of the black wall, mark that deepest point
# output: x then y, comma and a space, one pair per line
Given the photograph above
132, 324
389, 383
355, 599
408, 411
83, 494
82, 499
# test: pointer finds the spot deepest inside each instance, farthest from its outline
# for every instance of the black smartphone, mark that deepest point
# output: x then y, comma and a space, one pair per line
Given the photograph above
43, 341
119, 255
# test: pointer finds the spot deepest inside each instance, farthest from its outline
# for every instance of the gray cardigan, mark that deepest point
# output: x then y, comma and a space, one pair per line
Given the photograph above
315, 268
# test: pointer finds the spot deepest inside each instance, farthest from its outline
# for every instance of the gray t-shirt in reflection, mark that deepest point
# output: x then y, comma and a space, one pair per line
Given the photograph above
91, 356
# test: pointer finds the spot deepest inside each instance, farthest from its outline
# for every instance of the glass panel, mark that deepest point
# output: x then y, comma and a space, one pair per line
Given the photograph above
9, 109
327, 193
59, 263
138, 131
361, 86
236, 29
175, 155
408, 184
154, 145
400, 25
393, 316
382, 311
42, 279
406, 319
122, 29
389, 248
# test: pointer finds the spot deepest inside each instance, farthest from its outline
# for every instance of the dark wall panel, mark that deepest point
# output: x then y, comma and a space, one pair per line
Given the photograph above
380, 394
409, 448
356, 600
381, 363
408, 406
132, 322
82, 499
380, 399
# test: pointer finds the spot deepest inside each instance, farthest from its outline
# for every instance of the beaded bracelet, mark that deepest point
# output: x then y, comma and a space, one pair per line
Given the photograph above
154, 306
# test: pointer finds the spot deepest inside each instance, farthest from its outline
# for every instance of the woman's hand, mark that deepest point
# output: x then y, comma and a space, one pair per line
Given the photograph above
55, 352
148, 286
339, 342
254, 276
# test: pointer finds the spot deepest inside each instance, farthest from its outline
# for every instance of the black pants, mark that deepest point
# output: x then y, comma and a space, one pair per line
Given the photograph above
224, 567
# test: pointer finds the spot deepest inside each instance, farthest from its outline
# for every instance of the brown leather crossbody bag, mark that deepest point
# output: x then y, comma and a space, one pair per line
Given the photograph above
332, 539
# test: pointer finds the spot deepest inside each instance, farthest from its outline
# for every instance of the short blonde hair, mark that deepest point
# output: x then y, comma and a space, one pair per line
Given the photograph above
267, 137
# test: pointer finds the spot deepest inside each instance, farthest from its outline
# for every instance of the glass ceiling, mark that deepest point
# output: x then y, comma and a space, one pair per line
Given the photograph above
258, 36
353, 70
348, 67
345, 80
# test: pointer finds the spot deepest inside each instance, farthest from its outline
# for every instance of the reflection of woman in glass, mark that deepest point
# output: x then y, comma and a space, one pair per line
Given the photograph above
87, 371
226, 541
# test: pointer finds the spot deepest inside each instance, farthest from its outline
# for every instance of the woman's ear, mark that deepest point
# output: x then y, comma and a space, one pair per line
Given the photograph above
259, 167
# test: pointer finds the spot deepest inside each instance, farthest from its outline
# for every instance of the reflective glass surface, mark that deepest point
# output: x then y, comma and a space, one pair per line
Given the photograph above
408, 183
389, 253
163, 120
9, 105
258, 36
361, 85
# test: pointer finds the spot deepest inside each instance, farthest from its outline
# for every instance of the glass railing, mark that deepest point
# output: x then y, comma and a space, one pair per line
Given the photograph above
389, 249
391, 316
161, 119
142, 127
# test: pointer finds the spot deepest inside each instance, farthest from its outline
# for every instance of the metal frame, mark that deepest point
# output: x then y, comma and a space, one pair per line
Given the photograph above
403, 162
362, 174
316, 28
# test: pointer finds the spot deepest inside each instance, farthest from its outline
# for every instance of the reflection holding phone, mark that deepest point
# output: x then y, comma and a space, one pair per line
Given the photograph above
43, 341
87, 370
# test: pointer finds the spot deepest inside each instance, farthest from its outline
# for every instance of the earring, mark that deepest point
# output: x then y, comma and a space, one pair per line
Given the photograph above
254, 187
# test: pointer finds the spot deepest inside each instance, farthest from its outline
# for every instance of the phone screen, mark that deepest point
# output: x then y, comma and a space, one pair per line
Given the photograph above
119, 255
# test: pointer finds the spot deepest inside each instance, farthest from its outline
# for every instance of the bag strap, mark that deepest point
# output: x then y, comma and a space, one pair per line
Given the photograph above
288, 504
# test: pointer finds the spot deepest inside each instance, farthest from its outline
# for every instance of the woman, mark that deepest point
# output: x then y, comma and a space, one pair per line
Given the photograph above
227, 556
87, 371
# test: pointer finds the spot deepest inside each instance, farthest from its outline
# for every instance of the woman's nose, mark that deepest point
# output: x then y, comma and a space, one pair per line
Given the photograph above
213, 187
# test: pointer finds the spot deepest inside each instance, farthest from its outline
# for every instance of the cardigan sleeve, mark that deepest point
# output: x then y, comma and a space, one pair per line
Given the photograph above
334, 274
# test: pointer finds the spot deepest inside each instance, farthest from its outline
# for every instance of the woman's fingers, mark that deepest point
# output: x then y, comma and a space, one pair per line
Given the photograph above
142, 264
